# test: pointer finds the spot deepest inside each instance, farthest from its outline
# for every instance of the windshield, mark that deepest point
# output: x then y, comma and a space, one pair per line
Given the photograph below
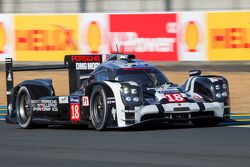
146, 77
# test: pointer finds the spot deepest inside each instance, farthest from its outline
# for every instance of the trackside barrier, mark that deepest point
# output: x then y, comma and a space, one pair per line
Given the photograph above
165, 36
239, 117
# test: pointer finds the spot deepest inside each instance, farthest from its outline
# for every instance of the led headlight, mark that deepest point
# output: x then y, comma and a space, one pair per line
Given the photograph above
136, 99
133, 91
218, 95
224, 94
224, 86
128, 99
125, 90
217, 87
131, 95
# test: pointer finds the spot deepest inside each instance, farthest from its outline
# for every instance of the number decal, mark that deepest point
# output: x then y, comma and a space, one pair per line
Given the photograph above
175, 97
75, 112
85, 101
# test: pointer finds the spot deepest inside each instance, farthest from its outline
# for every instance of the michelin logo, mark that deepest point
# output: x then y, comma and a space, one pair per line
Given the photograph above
86, 66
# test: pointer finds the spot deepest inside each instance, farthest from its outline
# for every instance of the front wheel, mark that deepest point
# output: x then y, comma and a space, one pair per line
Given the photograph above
98, 108
23, 108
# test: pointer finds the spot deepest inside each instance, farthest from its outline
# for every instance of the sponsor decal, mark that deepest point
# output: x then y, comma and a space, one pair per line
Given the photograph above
86, 66
93, 29
110, 100
175, 97
75, 115
85, 101
63, 99
197, 98
94, 37
129, 111
192, 44
149, 36
85, 58
167, 88
192, 36
44, 105
48, 37
9, 78
74, 99
38, 40
229, 35
113, 111
10, 107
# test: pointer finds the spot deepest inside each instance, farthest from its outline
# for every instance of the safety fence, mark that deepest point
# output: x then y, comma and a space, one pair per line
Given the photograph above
177, 36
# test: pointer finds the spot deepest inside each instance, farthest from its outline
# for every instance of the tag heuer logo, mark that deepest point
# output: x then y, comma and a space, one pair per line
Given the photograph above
9, 78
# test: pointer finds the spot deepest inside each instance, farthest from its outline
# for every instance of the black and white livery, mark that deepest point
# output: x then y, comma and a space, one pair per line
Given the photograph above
118, 92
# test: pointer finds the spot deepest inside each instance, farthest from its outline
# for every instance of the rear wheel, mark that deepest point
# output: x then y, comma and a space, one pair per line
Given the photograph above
98, 108
23, 108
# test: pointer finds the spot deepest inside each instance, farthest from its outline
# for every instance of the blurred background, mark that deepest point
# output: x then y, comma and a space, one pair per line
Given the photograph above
75, 6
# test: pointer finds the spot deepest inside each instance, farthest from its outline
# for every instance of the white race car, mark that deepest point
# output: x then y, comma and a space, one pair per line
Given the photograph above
120, 92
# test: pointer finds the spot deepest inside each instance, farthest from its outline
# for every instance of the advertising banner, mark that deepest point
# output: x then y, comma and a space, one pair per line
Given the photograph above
6, 36
93, 33
229, 36
45, 37
151, 37
192, 36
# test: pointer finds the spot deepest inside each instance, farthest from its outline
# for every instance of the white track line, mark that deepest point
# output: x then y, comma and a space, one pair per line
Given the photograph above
240, 126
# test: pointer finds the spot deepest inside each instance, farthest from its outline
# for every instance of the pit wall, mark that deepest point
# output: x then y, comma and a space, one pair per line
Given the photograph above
177, 36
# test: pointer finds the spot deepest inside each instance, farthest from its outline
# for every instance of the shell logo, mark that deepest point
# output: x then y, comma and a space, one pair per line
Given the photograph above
94, 37
192, 36
2, 38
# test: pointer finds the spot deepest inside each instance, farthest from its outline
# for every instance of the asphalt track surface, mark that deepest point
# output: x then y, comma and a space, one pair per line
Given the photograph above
176, 146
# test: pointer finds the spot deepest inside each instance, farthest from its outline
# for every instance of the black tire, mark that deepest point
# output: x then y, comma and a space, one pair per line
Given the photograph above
98, 108
205, 122
24, 109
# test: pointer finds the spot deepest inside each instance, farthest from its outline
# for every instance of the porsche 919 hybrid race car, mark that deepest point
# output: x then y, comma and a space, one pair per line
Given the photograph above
118, 92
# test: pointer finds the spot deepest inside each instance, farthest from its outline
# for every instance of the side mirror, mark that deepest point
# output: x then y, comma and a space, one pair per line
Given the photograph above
194, 73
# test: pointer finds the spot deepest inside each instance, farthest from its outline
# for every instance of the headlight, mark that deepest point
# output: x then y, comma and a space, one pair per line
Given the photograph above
136, 99
224, 94
131, 95
125, 90
128, 99
217, 87
134, 91
224, 86
218, 95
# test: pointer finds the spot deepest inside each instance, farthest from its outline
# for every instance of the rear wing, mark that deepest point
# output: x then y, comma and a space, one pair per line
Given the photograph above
78, 66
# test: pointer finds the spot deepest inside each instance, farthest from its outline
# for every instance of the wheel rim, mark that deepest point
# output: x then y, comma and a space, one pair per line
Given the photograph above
98, 108
24, 108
